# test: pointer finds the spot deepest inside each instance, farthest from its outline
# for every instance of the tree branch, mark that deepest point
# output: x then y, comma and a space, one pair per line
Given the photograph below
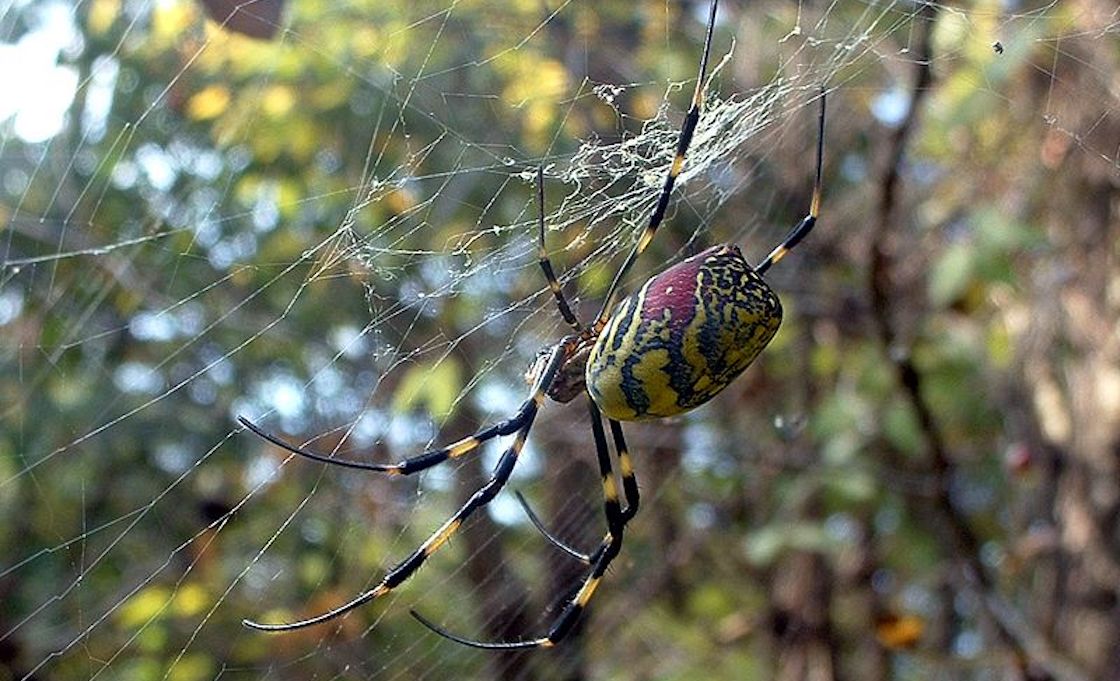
1033, 655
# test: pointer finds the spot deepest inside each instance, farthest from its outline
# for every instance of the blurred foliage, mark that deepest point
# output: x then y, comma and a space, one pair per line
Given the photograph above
332, 231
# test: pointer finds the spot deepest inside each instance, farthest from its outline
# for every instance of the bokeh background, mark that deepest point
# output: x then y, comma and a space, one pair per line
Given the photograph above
320, 215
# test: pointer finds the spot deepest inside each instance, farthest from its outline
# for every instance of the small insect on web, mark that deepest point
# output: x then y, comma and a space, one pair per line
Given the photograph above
663, 350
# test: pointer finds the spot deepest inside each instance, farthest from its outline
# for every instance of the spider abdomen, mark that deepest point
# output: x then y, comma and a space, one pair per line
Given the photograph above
683, 337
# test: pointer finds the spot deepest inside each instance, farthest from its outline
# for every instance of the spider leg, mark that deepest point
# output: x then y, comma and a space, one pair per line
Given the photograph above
626, 469
629, 484
806, 225
433, 457
552, 539
629, 487
484, 495
546, 264
407, 567
416, 463
683, 142
601, 558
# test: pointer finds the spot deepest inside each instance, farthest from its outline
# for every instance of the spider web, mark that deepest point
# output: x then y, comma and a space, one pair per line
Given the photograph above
334, 233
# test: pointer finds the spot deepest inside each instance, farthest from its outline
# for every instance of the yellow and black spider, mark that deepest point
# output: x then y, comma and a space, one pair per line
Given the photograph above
667, 348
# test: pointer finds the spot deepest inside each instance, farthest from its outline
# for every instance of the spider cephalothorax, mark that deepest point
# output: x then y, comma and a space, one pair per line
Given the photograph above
669, 347
570, 382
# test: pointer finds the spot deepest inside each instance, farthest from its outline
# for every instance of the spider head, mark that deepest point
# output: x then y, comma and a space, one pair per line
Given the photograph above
569, 382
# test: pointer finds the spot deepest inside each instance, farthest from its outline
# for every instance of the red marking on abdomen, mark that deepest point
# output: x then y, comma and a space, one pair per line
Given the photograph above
674, 290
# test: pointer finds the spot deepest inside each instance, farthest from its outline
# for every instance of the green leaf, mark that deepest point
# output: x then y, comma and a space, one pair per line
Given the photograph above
951, 275
901, 428
192, 667
434, 387
768, 543
850, 485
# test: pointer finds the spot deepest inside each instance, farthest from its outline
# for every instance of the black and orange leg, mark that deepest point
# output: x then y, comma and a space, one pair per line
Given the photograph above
629, 488
688, 128
524, 415
806, 225
617, 518
546, 264
626, 470
407, 567
600, 559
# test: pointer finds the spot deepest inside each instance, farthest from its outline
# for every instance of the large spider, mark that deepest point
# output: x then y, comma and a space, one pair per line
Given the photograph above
665, 349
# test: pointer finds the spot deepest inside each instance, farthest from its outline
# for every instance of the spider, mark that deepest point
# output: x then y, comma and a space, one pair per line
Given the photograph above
665, 349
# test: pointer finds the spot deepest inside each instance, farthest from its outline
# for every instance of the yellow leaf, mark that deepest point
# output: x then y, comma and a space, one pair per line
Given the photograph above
434, 387
331, 94
170, 19
144, 606
365, 41
544, 79
278, 100
303, 139
209, 103
190, 600
102, 14
899, 631
192, 667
